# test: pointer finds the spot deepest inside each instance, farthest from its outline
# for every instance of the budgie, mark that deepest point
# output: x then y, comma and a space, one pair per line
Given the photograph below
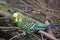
28, 24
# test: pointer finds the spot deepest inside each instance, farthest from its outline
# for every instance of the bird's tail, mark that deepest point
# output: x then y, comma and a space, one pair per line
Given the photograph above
53, 25
44, 27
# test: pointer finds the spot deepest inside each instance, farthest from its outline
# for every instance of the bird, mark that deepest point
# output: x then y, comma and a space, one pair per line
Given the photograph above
29, 24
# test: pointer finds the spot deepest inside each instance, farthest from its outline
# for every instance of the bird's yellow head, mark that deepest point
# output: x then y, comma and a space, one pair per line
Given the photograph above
17, 17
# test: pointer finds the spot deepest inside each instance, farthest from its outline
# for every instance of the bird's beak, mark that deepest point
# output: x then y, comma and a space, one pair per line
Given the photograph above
16, 19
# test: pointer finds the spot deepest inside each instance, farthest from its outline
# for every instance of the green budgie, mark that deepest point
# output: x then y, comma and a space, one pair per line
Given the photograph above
28, 24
